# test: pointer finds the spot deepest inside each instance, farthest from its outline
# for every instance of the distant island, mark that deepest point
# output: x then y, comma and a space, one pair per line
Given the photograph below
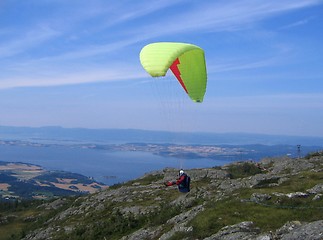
28, 181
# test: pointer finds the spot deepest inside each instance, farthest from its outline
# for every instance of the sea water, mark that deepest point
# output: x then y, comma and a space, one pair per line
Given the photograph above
105, 166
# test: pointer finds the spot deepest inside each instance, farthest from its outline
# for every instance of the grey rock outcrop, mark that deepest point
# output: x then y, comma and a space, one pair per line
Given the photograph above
287, 165
290, 231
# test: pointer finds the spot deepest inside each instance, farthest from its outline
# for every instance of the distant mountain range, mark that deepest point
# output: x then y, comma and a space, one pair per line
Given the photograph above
56, 133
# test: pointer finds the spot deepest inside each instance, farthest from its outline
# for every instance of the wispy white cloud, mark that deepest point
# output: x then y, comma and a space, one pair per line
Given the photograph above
83, 13
140, 9
199, 16
298, 23
223, 16
42, 79
278, 102
215, 17
235, 66
26, 40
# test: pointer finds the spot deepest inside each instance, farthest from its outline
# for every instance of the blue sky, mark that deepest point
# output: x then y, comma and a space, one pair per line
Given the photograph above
76, 64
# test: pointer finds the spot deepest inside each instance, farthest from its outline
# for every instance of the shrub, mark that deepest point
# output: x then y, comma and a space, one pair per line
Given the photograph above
243, 170
314, 154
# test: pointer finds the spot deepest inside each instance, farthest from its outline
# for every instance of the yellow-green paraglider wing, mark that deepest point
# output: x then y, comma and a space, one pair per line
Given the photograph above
186, 61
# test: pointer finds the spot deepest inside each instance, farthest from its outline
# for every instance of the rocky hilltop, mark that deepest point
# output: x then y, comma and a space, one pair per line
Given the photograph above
276, 198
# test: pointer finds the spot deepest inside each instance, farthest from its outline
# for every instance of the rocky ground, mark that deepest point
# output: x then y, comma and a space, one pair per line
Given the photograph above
149, 210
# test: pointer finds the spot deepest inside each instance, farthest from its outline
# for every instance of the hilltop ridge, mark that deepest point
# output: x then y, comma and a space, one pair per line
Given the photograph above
277, 198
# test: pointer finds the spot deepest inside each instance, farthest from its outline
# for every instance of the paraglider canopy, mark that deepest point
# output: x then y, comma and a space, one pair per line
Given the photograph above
186, 61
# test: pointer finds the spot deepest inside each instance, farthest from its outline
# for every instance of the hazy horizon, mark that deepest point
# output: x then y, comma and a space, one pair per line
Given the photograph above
156, 130
57, 133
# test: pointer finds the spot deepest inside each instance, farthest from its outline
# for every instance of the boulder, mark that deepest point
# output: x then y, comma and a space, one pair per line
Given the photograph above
243, 231
260, 197
297, 195
317, 197
313, 231
143, 233
316, 189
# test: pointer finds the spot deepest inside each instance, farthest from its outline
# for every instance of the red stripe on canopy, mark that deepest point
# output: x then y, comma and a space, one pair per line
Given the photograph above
177, 73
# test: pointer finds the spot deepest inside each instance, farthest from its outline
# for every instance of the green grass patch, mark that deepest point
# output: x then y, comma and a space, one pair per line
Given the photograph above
233, 211
300, 182
16, 222
12, 231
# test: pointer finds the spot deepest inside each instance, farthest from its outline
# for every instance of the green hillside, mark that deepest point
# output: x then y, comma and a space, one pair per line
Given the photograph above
276, 199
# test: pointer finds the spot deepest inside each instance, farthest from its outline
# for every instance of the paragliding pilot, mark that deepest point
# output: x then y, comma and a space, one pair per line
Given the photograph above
183, 182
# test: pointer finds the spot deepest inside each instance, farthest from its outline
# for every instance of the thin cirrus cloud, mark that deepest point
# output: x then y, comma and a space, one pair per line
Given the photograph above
77, 77
228, 16
27, 40
203, 17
